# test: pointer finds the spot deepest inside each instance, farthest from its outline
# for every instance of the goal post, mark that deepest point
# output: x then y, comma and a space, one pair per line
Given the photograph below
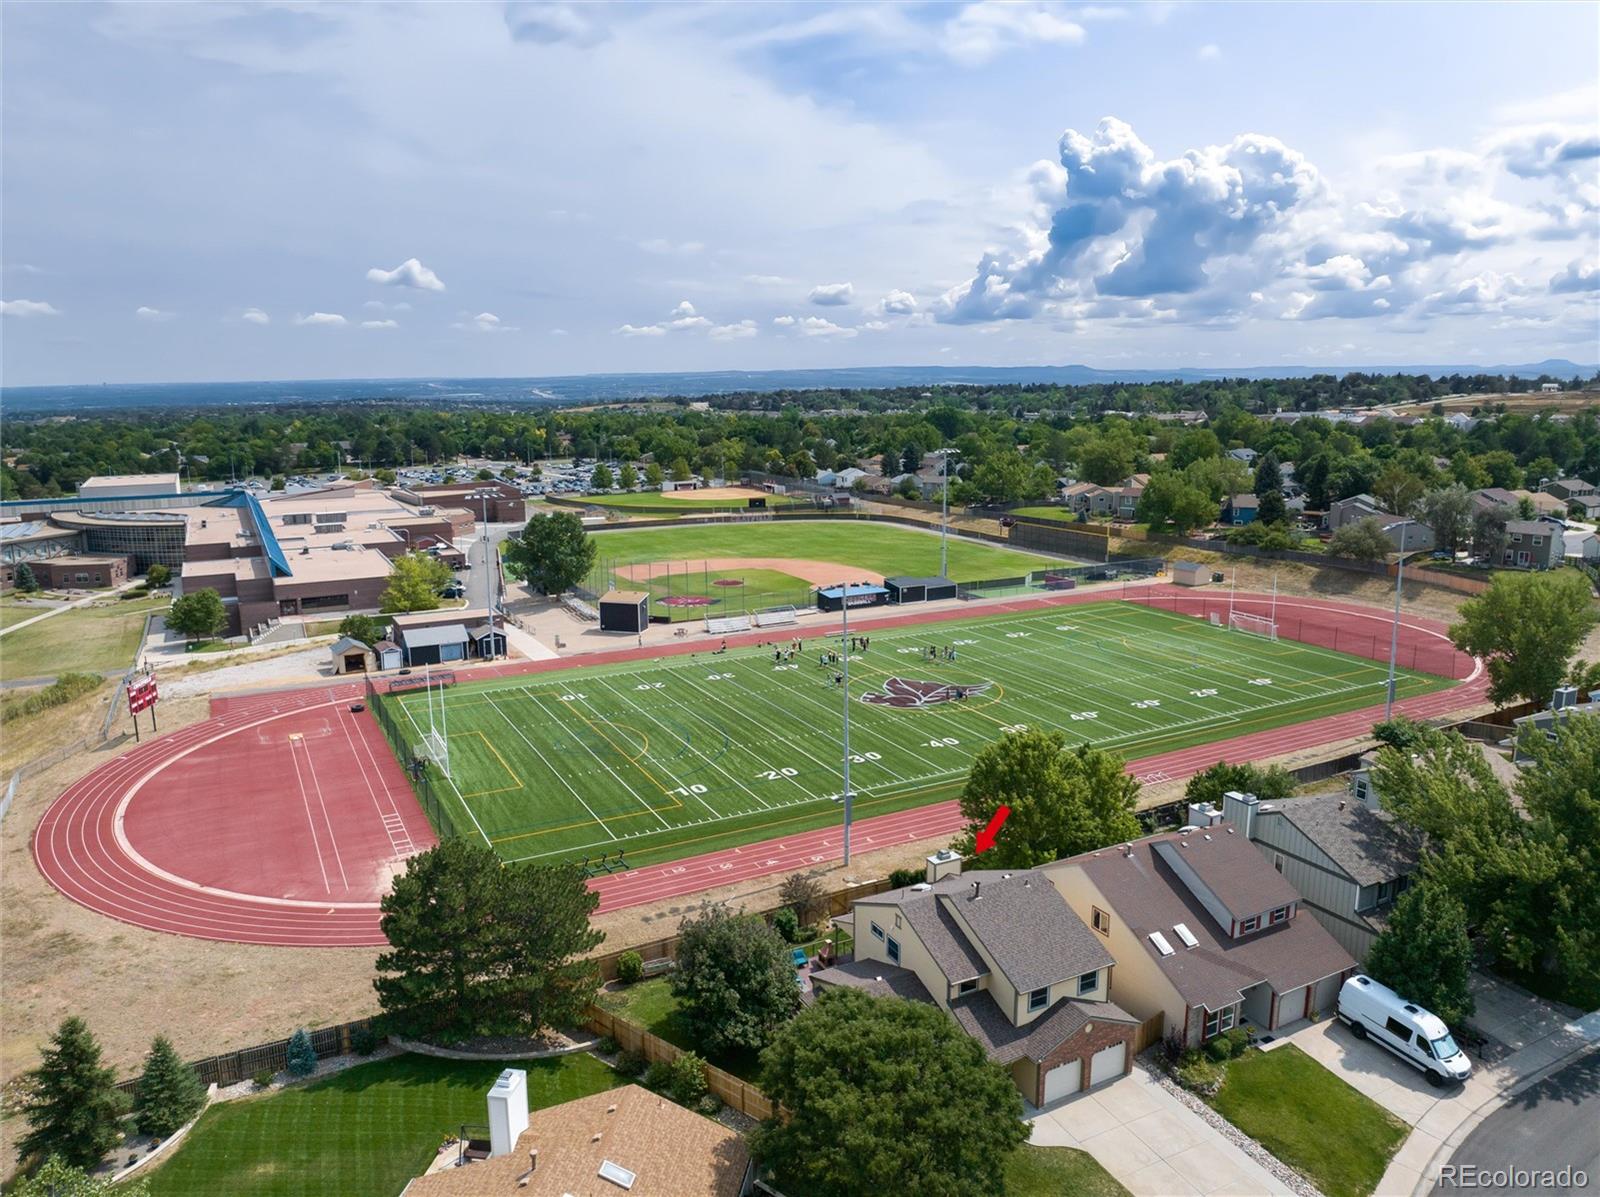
1255, 625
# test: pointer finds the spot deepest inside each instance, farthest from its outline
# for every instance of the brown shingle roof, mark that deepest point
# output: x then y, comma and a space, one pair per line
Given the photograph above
1148, 896
673, 1153
1364, 843
1223, 864
874, 977
1026, 926
1004, 1042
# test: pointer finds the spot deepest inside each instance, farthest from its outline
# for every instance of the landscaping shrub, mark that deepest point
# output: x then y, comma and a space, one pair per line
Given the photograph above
607, 1046
630, 1063
683, 1079
302, 1056
264, 1078
710, 1105
901, 878
1219, 1049
64, 689
365, 1039
630, 967
802, 893
787, 924
658, 1076
1238, 1039
1199, 1075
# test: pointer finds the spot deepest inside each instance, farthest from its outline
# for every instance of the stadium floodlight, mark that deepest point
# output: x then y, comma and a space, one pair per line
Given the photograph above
1394, 631
844, 655
944, 511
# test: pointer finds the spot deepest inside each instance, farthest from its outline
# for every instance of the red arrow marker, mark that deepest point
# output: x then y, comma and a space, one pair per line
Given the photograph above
985, 838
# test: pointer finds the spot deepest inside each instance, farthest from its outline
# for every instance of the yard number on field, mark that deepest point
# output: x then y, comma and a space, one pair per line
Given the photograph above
651, 686
1080, 715
719, 677
1145, 703
1203, 693
685, 791
572, 698
861, 758
1261, 681
775, 774
943, 742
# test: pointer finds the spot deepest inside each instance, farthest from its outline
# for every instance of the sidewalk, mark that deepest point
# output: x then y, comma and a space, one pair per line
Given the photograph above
92, 596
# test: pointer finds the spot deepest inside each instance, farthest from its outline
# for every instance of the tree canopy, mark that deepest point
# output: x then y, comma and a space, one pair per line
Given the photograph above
197, 614
415, 581
169, 1091
1064, 800
553, 553
1527, 626
71, 1103
1363, 540
1270, 783
735, 979
885, 1096
1424, 954
368, 629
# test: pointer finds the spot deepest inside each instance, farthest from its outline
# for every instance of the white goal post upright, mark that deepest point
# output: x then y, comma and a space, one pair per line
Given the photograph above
436, 742
1256, 625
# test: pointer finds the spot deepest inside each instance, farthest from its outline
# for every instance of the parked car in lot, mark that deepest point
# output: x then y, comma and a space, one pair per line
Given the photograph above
1376, 1012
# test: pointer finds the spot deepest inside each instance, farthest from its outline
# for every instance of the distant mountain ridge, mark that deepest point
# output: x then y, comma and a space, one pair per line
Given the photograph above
601, 388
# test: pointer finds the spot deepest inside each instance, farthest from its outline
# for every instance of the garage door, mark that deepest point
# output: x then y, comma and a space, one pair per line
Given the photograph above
1062, 1081
1109, 1064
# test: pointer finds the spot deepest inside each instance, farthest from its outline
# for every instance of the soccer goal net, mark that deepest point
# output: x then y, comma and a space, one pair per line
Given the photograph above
1256, 625
435, 750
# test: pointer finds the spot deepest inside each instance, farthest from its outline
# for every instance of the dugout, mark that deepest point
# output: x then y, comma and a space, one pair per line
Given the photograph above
857, 594
624, 611
906, 589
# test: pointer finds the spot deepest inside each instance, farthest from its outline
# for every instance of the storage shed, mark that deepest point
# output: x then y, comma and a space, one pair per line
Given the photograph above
352, 656
433, 646
857, 594
487, 641
906, 589
1190, 573
389, 654
624, 611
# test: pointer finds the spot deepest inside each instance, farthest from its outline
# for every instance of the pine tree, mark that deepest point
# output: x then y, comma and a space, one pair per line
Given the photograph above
25, 580
302, 1056
73, 1108
169, 1091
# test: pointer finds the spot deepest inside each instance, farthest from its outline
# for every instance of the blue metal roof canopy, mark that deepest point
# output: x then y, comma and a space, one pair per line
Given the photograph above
276, 561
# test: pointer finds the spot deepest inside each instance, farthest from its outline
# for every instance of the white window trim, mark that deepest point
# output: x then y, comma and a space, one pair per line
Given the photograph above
1043, 994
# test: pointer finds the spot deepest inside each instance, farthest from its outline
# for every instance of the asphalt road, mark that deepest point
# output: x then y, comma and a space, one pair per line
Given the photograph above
1552, 1125
477, 578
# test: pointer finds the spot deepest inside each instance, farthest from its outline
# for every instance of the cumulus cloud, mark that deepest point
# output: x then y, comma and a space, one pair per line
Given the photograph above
767, 280
896, 303
1489, 292
154, 315
1579, 276
660, 245
741, 331
486, 322
380, 324
24, 308
642, 330
784, 321
981, 31
410, 273
548, 24
1209, 52
684, 318
816, 326
377, 305
831, 294
324, 319
255, 316
559, 332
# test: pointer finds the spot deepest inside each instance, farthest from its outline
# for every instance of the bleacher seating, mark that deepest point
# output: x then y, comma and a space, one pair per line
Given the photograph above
777, 617
580, 608
726, 625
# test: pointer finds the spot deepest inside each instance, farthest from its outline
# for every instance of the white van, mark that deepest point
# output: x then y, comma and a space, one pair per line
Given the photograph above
1377, 1012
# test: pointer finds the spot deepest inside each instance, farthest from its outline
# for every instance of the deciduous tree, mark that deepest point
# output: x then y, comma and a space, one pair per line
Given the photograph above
71, 1104
197, 614
601, 479
1527, 626
627, 477
415, 580
735, 979
58, 1179
1362, 540
1448, 514
1171, 499
1270, 783
1424, 954
157, 576
554, 552
1063, 799
885, 1096
368, 629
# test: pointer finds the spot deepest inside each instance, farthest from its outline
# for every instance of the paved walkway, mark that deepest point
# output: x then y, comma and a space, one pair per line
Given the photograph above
1531, 1037
1152, 1143
92, 596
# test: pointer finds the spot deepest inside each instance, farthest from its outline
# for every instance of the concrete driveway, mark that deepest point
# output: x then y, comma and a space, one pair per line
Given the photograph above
1152, 1143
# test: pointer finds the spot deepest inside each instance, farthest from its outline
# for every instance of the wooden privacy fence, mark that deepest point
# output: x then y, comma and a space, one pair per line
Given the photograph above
229, 1068
1149, 1032
630, 1036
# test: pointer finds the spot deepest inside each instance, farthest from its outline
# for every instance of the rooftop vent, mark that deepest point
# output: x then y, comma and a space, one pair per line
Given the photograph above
1186, 935
1161, 943
977, 890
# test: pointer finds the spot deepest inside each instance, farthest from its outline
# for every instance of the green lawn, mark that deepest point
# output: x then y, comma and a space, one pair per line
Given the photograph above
364, 1132
12, 611
683, 500
885, 548
684, 754
696, 593
1058, 1172
1310, 1119
97, 637
1064, 514
652, 1006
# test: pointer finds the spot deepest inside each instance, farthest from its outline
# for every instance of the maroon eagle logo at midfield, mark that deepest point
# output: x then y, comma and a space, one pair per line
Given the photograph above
904, 692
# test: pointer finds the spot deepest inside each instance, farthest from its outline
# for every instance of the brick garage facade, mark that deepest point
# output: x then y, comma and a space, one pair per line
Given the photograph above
1097, 1036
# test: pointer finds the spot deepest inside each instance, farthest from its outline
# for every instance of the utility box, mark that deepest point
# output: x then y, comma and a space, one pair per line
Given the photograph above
508, 1110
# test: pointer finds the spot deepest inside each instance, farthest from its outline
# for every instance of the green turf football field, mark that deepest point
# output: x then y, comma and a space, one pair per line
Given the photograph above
682, 755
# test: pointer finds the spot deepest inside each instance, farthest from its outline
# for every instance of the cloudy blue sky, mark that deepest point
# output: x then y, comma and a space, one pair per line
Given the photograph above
232, 191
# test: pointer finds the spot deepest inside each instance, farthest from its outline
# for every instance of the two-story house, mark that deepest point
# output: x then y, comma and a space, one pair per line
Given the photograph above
1532, 544
1340, 851
1089, 498
1006, 957
1204, 932
1240, 509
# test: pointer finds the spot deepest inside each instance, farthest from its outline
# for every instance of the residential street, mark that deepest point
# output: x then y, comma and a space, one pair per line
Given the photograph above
1553, 1125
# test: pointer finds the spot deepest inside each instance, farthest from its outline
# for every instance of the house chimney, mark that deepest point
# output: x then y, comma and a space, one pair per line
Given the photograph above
943, 863
1240, 810
508, 1110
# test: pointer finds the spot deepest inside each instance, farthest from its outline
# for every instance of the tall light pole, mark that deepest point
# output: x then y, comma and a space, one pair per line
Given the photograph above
844, 652
944, 512
489, 579
1394, 634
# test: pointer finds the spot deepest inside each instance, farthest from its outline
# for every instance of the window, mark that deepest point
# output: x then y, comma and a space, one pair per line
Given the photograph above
967, 986
1516, 538
80, 577
1280, 915
1398, 1029
897, 920
1537, 541
894, 949
1277, 861
1039, 998
1250, 924
1218, 1021
1088, 982
1102, 921
877, 931
319, 602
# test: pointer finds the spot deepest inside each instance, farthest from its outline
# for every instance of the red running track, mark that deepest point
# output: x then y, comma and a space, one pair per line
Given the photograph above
281, 818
